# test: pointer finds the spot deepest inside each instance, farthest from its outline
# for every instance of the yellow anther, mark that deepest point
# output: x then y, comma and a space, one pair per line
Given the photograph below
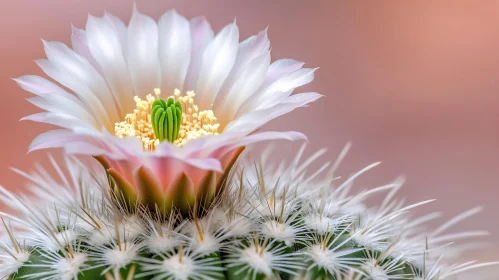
195, 123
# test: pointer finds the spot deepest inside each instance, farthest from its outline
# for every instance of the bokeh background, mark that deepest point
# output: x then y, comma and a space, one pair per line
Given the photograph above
414, 84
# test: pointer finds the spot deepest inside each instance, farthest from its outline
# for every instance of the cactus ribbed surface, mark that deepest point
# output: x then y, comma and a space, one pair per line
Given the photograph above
271, 223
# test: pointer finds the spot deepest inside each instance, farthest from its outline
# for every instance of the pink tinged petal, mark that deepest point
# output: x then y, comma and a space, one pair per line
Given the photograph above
271, 136
53, 139
61, 120
119, 29
218, 59
252, 48
222, 151
90, 101
280, 89
227, 152
164, 168
59, 105
302, 99
205, 164
280, 68
246, 84
83, 148
251, 121
42, 87
55, 98
106, 47
286, 86
168, 149
203, 147
193, 147
248, 50
119, 148
201, 36
80, 76
188, 157
174, 51
142, 53
79, 43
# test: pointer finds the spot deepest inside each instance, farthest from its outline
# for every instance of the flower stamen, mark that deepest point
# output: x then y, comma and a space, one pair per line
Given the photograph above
143, 125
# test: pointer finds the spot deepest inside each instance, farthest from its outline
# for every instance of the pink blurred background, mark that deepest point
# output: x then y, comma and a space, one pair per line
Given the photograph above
414, 84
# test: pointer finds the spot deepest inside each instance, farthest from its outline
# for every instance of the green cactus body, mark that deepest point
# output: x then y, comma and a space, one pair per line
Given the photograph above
261, 227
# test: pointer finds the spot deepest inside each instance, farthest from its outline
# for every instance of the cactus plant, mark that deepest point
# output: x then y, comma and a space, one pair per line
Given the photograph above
161, 187
271, 223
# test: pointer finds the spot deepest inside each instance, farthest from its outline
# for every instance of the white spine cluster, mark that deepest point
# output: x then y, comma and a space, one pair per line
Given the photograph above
273, 223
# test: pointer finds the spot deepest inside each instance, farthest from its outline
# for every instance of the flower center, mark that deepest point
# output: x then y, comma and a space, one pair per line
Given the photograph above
177, 120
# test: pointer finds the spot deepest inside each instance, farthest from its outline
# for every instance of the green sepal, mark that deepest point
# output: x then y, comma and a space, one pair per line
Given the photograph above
180, 195
205, 192
151, 190
123, 190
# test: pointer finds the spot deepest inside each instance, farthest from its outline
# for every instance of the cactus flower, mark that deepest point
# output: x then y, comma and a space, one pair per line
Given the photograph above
166, 107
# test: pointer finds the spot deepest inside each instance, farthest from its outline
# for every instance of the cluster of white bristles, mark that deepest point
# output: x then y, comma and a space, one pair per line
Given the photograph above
274, 223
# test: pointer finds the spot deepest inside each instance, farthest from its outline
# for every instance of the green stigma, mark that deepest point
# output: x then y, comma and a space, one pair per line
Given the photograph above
166, 118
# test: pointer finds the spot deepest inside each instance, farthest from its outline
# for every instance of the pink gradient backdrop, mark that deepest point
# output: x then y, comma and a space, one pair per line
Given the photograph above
414, 84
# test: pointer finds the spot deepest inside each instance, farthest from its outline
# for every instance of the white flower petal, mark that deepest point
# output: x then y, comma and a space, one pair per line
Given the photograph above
80, 76
111, 63
90, 101
282, 67
54, 99
174, 51
78, 147
43, 87
204, 146
142, 55
245, 85
272, 135
57, 119
59, 105
79, 43
201, 36
218, 60
53, 139
248, 50
106, 48
282, 88
253, 120
251, 48
119, 29
285, 76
